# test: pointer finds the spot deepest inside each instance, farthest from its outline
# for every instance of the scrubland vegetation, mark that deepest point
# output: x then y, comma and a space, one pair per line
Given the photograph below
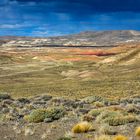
67, 94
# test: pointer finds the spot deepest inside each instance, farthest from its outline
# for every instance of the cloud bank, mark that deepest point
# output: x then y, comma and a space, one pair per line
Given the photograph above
58, 17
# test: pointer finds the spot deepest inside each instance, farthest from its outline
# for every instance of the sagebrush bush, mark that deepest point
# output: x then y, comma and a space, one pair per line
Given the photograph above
88, 118
121, 120
137, 132
115, 118
47, 115
26, 118
54, 114
92, 99
95, 112
106, 115
99, 104
133, 109
36, 116
82, 127
120, 137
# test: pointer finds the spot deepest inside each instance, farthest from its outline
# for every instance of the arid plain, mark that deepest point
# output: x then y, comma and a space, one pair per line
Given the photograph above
46, 91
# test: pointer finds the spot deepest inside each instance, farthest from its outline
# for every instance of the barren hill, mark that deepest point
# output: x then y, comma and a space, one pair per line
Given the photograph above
88, 38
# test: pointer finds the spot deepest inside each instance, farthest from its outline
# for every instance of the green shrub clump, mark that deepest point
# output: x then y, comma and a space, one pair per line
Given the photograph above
95, 112
121, 120
36, 116
54, 114
115, 118
47, 115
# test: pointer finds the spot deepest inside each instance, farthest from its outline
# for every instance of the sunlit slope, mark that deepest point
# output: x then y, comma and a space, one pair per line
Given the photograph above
129, 57
73, 73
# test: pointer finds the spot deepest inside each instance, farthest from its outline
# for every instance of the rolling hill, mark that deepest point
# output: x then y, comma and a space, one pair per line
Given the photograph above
88, 38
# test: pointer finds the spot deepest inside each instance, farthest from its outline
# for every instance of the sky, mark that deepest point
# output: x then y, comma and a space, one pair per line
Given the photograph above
59, 17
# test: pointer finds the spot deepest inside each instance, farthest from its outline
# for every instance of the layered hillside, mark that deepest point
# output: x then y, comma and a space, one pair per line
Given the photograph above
88, 38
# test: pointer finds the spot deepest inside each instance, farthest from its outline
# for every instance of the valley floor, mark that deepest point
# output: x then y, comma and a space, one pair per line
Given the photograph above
72, 73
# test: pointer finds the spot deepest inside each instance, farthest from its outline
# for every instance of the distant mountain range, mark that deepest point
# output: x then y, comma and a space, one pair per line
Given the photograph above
88, 38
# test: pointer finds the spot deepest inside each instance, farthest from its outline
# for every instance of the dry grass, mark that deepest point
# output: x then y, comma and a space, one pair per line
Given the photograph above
137, 132
82, 127
120, 137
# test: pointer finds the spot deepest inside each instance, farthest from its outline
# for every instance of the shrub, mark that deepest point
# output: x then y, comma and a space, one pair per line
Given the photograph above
99, 104
48, 115
82, 127
4, 96
121, 120
113, 103
26, 117
88, 118
115, 118
103, 137
106, 130
137, 131
120, 137
107, 115
36, 116
95, 112
92, 99
54, 114
133, 109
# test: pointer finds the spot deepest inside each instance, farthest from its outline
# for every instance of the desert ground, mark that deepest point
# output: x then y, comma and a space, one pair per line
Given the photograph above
45, 92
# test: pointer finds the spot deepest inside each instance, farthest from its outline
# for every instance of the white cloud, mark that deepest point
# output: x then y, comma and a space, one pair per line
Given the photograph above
39, 33
44, 32
12, 26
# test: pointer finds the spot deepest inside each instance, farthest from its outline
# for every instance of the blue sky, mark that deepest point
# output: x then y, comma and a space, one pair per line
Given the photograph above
59, 17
